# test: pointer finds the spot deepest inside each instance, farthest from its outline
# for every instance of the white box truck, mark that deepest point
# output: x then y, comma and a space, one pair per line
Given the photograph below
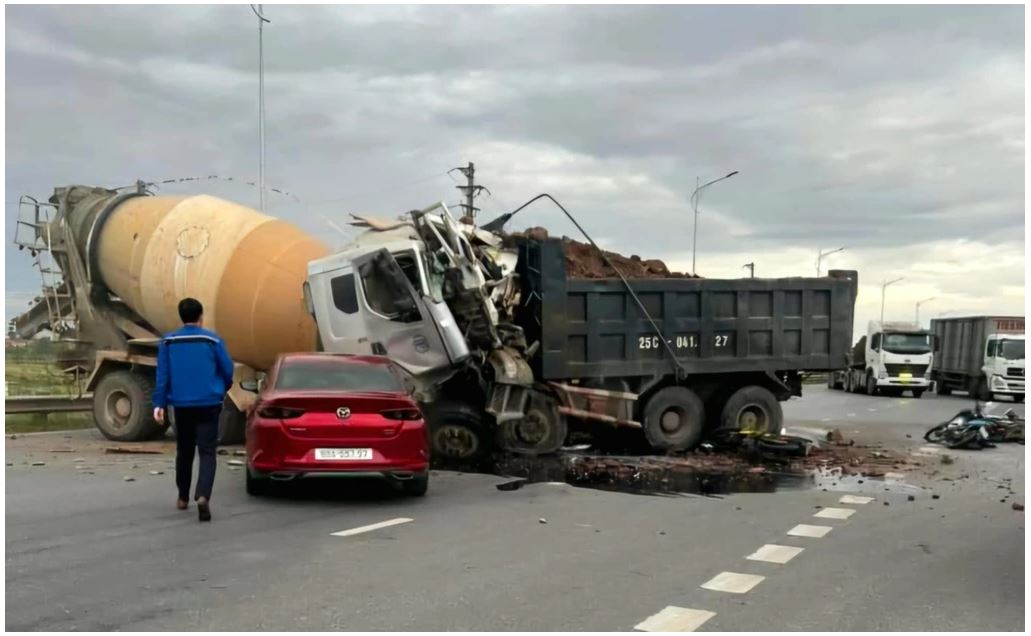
982, 355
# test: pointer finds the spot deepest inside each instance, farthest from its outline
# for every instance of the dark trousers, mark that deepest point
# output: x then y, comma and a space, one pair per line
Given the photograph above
195, 427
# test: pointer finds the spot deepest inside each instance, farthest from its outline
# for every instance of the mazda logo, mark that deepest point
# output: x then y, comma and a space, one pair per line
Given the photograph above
343, 412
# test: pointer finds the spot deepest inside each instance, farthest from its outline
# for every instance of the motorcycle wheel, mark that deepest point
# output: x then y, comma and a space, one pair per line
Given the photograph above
935, 434
963, 440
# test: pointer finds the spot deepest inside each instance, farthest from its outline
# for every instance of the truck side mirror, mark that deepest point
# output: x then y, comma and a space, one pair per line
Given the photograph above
249, 385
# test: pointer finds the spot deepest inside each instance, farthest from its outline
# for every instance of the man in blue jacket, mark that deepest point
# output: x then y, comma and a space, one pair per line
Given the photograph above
194, 374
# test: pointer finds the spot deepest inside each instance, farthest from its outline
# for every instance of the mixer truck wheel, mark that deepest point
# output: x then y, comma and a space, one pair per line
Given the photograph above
753, 410
674, 419
122, 407
456, 432
542, 429
231, 424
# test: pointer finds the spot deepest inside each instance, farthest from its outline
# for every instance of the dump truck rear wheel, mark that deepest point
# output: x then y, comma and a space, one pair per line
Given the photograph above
231, 424
542, 429
753, 409
122, 408
674, 419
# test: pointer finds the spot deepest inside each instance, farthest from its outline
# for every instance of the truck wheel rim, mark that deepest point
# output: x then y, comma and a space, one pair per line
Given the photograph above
119, 408
752, 419
532, 429
672, 420
456, 441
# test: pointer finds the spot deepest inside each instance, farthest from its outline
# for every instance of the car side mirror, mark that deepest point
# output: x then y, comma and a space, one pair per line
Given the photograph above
249, 385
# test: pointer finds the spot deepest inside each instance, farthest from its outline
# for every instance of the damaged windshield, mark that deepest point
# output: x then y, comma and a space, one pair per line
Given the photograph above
907, 343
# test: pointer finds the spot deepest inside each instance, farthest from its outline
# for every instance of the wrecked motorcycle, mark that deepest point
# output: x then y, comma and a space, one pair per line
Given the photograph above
966, 429
1008, 427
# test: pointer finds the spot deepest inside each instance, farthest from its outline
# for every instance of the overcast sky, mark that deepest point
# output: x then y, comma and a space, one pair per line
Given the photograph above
897, 132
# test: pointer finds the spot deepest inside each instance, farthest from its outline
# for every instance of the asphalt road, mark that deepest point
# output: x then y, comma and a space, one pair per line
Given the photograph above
87, 550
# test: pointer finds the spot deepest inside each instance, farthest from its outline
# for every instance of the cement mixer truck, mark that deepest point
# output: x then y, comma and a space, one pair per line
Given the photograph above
116, 263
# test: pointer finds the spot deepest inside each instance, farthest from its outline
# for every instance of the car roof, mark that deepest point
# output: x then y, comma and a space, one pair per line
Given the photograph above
344, 358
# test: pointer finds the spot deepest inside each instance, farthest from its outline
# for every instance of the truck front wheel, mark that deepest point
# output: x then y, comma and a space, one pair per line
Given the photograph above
122, 408
674, 419
871, 385
541, 431
456, 432
753, 409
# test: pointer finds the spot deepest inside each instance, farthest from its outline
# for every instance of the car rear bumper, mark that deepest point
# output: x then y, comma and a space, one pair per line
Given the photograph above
394, 474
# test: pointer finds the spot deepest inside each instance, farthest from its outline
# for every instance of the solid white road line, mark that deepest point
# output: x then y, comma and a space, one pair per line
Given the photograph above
733, 582
675, 619
853, 499
371, 527
772, 553
811, 532
835, 513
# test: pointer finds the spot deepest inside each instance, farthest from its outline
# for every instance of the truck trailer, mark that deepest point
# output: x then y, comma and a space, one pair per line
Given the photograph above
893, 357
982, 355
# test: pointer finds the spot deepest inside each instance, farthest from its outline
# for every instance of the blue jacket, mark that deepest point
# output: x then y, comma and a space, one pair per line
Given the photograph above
194, 369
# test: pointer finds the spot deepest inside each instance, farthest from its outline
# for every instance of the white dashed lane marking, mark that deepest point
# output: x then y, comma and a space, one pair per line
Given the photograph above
675, 619
733, 582
835, 513
811, 532
371, 527
854, 499
772, 553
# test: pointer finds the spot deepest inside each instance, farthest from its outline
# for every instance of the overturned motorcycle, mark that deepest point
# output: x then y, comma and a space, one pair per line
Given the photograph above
974, 429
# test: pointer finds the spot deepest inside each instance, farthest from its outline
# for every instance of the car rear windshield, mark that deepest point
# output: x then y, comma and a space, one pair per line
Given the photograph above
334, 375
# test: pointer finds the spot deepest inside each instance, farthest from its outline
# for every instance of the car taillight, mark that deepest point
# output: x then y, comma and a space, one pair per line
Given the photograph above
402, 414
279, 413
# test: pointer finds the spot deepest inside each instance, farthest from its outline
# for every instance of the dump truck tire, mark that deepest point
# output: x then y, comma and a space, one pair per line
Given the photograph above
231, 424
753, 408
674, 419
457, 432
541, 431
122, 407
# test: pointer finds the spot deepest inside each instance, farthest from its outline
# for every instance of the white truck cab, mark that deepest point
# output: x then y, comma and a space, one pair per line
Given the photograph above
898, 357
1004, 363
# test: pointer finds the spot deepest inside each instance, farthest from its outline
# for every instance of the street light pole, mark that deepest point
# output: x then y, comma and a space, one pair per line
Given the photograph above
261, 104
821, 254
925, 300
751, 269
694, 198
884, 287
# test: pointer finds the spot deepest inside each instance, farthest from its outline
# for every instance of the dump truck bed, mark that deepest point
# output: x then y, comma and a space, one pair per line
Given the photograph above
595, 329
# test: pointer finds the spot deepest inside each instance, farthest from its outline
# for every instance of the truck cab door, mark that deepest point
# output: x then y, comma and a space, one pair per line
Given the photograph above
401, 323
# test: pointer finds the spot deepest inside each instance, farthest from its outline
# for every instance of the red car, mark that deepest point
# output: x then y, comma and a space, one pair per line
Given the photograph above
323, 415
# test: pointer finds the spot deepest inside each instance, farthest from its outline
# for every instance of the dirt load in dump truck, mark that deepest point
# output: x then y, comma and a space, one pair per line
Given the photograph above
115, 265
512, 339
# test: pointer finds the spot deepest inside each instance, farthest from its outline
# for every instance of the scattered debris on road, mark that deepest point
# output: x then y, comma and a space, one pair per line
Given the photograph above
157, 472
1019, 507
542, 520
131, 450
39, 463
128, 478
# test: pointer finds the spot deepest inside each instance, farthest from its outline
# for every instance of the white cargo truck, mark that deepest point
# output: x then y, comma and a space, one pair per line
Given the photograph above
893, 357
982, 355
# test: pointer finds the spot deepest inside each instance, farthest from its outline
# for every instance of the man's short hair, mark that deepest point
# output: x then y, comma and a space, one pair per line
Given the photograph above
190, 310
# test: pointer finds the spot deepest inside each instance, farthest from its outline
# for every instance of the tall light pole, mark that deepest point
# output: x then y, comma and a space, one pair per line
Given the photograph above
751, 269
694, 198
821, 254
920, 302
884, 287
261, 104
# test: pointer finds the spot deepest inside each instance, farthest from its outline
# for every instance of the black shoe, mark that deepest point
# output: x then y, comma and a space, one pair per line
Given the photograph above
203, 510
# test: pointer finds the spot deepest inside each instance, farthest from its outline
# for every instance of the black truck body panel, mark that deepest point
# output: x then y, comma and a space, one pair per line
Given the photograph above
593, 328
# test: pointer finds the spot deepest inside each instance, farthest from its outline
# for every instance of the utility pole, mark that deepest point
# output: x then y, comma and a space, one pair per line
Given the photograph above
751, 269
920, 302
469, 190
694, 198
884, 287
261, 105
821, 254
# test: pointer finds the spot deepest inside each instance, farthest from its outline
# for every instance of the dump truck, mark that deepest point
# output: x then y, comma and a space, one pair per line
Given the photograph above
892, 358
115, 264
982, 355
509, 350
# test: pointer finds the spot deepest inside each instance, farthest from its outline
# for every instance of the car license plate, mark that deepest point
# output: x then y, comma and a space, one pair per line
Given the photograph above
343, 453
905, 377
983, 433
